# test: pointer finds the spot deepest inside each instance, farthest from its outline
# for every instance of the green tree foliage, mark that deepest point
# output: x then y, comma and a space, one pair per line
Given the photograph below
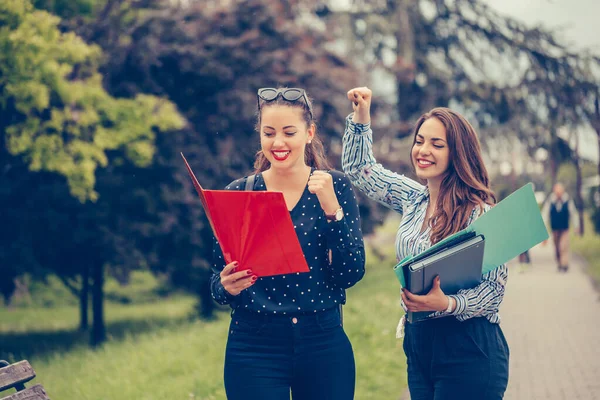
57, 120
56, 113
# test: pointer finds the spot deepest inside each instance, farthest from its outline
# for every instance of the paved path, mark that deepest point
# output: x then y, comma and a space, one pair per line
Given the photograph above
552, 324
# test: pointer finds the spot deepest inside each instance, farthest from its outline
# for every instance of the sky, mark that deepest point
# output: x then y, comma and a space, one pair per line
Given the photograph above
577, 20
578, 24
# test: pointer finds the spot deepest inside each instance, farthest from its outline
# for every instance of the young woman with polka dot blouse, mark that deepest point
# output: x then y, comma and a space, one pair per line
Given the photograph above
286, 333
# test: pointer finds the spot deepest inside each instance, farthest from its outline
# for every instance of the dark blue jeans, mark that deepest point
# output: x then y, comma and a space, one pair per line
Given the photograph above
448, 359
268, 356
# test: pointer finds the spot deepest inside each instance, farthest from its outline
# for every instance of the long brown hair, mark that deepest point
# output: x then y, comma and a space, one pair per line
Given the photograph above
314, 152
466, 184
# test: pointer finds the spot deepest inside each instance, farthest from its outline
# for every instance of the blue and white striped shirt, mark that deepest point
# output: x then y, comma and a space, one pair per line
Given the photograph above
411, 199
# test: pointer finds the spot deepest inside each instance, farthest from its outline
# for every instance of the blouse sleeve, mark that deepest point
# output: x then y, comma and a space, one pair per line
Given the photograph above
483, 299
344, 238
388, 188
217, 290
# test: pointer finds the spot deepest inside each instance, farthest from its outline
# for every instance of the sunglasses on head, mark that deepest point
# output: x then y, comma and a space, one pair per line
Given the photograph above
289, 94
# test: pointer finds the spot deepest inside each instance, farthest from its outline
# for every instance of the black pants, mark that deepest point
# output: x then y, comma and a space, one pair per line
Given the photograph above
268, 356
448, 359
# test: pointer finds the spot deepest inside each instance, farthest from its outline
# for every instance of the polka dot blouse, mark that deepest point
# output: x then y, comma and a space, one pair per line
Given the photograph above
324, 286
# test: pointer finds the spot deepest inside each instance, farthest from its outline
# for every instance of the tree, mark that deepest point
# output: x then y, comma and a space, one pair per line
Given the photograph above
592, 113
56, 113
56, 117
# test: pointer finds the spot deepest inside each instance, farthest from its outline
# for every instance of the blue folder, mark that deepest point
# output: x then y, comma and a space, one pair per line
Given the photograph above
458, 266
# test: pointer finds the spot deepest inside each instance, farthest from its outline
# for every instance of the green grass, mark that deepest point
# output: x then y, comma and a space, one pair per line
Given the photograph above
141, 287
155, 351
41, 332
182, 362
370, 318
588, 246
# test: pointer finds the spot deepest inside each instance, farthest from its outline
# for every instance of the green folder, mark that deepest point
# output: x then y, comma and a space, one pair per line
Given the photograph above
511, 227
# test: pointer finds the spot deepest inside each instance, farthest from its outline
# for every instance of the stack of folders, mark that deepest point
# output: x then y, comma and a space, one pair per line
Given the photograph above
503, 232
458, 264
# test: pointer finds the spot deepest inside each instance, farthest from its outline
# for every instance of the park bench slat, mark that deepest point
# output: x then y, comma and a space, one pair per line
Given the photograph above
15, 374
36, 392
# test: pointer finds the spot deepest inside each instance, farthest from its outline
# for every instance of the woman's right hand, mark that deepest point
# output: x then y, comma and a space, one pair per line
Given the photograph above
234, 282
361, 103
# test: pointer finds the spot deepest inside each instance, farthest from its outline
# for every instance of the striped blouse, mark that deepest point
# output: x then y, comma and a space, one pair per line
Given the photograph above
411, 199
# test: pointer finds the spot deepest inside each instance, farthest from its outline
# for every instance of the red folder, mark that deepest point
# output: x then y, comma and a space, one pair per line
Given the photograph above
254, 228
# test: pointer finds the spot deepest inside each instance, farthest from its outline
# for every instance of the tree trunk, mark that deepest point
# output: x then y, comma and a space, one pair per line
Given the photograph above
98, 335
207, 305
407, 102
7, 296
595, 120
513, 172
553, 171
7, 288
554, 155
598, 133
84, 296
578, 183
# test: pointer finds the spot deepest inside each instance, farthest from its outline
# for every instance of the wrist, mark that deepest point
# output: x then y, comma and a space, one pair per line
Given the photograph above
227, 293
361, 118
336, 215
451, 305
331, 210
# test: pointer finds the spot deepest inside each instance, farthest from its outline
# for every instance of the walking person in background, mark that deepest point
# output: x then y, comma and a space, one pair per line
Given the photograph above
560, 214
463, 355
524, 261
286, 332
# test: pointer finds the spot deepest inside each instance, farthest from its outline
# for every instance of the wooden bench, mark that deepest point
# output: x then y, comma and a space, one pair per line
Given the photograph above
14, 376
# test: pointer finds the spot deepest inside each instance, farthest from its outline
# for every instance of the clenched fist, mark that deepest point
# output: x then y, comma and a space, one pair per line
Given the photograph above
361, 104
321, 184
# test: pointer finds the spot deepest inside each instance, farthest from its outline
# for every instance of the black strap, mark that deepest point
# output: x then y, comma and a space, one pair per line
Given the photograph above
250, 183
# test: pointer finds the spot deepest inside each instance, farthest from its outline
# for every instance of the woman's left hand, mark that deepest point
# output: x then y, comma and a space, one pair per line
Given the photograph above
435, 300
321, 184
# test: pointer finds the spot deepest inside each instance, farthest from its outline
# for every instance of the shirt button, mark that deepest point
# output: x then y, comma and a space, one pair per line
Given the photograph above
294, 320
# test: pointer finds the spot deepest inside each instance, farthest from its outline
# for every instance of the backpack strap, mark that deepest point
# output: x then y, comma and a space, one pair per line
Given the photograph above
250, 183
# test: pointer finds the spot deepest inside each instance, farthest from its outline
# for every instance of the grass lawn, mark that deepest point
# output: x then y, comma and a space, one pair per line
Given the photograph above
155, 351
588, 246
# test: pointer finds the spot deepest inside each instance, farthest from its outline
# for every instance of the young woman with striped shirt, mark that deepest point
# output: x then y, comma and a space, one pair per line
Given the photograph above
464, 355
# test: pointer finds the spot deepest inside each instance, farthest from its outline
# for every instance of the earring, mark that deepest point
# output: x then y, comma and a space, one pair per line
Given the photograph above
310, 141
